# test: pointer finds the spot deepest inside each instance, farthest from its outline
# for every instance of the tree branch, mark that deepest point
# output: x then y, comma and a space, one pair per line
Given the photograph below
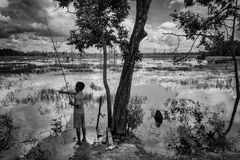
184, 35
190, 50
187, 54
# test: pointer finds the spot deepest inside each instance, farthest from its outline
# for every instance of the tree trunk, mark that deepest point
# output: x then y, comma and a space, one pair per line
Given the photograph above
237, 95
235, 75
124, 88
109, 106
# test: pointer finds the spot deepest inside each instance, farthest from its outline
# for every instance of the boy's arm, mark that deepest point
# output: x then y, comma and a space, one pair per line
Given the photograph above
73, 104
64, 92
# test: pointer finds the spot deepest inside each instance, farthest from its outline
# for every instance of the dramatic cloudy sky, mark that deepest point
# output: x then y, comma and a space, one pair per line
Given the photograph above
22, 25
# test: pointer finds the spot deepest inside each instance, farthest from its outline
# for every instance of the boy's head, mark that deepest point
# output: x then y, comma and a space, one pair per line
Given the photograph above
79, 86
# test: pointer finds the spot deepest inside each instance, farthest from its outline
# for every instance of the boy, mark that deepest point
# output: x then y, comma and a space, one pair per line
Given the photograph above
78, 113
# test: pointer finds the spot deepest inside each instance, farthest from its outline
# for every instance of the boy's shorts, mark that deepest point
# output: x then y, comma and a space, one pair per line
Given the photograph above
78, 119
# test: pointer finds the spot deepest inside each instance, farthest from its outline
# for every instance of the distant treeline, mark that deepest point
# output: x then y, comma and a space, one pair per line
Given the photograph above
11, 52
217, 51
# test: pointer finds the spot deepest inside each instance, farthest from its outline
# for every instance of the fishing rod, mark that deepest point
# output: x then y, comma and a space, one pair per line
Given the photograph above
56, 52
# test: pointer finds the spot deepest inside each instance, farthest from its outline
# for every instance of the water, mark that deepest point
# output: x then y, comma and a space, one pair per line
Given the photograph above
150, 80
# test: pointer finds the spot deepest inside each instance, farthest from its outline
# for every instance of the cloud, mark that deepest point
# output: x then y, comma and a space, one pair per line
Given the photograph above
175, 2
129, 24
60, 21
3, 3
23, 25
38, 25
167, 25
31, 41
158, 40
4, 18
29, 16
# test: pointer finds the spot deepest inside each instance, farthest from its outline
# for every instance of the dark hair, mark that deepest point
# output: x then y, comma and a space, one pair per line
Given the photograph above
80, 85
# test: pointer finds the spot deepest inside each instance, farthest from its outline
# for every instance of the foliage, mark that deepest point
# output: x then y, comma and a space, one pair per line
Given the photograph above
98, 21
219, 48
135, 113
99, 24
57, 127
216, 28
198, 129
213, 26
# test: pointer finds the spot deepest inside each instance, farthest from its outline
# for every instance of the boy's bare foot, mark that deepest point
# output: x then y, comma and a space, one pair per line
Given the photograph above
78, 143
84, 140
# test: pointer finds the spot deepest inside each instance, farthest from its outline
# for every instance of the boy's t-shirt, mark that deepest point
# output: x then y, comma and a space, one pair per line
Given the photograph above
78, 100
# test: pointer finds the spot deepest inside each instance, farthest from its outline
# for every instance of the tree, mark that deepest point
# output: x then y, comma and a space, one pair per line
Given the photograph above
216, 27
98, 24
97, 21
131, 54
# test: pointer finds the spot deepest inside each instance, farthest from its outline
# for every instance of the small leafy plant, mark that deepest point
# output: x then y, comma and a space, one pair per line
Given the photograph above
198, 129
135, 113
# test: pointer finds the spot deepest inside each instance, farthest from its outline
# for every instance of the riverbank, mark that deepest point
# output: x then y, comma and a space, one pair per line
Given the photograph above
63, 148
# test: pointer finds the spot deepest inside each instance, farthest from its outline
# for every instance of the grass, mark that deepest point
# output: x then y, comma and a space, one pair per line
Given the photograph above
30, 96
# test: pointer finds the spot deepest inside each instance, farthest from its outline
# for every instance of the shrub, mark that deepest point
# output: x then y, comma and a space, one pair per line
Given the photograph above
45, 150
198, 129
57, 127
135, 113
6, 128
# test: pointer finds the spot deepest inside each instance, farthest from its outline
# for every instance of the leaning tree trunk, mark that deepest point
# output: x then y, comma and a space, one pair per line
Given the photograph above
237, 95
235, 63
109, 106
124, 88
